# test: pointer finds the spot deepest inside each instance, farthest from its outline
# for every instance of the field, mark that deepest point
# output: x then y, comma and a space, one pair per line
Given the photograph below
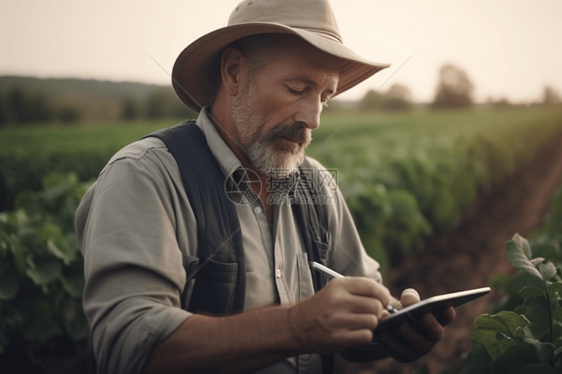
408, 178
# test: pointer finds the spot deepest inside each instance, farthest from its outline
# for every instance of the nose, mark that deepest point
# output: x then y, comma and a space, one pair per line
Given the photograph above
309, 113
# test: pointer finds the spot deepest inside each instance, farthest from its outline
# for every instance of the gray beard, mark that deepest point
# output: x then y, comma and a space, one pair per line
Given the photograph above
262, 151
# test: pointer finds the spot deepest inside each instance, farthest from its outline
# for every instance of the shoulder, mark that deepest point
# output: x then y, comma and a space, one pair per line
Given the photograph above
324, 179
138, 151
312, 163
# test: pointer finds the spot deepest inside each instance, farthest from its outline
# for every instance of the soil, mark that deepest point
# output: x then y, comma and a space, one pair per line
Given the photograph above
471, 254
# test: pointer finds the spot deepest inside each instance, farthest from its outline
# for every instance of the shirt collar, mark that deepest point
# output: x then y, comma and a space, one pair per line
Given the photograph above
223, 154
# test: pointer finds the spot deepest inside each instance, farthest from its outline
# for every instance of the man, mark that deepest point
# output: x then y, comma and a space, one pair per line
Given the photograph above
259, 85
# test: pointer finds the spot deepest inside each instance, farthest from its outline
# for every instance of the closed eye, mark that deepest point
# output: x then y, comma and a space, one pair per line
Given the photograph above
295, 91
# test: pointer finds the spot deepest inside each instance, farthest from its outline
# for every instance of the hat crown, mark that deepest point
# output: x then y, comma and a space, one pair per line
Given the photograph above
312, 15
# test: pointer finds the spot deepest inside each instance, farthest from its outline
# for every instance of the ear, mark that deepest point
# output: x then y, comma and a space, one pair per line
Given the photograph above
232, 70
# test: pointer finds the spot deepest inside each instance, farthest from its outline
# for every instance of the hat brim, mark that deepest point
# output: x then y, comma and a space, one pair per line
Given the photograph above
194, 65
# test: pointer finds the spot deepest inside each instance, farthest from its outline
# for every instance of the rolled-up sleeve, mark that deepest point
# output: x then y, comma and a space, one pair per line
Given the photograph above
126, 227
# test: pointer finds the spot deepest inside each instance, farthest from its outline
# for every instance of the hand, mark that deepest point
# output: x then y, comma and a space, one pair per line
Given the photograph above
408, 344
344, 313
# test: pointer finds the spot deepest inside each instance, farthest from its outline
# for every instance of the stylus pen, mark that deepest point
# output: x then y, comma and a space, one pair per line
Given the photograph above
329, 272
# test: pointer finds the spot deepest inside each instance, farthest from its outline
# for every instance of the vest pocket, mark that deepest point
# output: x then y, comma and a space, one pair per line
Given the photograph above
324, 246
214, 288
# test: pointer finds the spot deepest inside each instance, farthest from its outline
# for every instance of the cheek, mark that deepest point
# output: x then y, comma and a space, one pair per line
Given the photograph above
273, 115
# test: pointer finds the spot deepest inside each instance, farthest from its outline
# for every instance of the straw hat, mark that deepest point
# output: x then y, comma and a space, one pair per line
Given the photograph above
312, 20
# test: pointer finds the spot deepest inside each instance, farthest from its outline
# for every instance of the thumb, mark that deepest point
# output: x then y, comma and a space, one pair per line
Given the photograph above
409, 296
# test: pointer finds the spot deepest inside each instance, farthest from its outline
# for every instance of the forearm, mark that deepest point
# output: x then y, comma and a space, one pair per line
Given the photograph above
233, 344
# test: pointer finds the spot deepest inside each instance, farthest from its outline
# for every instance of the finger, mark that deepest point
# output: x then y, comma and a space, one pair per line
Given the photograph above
357, 337
447, 316
362, 286
409, 296
433, 330
354, 321
362, 304
397, 348
415, 339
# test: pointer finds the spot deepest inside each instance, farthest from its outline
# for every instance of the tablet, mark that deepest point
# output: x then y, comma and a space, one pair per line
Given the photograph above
433, 304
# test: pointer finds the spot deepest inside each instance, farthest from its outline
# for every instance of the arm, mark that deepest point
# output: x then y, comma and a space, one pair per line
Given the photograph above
341, 315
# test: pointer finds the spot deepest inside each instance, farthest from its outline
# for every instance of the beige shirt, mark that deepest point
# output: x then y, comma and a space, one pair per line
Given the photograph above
137, 231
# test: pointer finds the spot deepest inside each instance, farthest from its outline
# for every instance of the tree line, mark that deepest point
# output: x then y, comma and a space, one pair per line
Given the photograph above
22, 106
19, 105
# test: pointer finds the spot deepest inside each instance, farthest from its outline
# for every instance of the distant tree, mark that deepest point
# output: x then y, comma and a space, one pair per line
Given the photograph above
3, 114
17, 105
160, 104
550, 96
454, 89
129, 109
397, 98
182, 111
39, 108
23, 107
69, 114
372, 100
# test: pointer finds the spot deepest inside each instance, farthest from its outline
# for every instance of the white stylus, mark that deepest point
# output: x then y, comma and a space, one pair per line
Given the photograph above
329, 272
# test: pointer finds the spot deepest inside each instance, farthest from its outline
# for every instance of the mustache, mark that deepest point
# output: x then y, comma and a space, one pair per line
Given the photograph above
297, 132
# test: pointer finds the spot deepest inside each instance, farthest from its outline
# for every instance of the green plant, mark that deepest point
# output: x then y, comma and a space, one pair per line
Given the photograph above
523, 333
528, 339
41, 270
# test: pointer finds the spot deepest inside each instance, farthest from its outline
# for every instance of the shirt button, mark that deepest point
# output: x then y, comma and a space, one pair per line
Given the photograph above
257, 210
278, 273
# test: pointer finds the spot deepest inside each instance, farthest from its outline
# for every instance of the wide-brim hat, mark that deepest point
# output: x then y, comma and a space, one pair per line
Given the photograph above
311, 20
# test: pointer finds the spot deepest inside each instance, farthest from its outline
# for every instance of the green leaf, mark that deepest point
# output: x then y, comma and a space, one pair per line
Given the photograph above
498, 332
555, 293
74, 322
535, 369
478, 360
42, 326
9, 281
547, 270
505, 322
73, 284
515, 357
558, 360
19, 256
519, 255
531, 291
545, 351
45, 271
537, 260
537, 311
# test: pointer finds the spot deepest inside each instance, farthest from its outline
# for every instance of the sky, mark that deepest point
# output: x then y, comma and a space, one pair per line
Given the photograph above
508, 48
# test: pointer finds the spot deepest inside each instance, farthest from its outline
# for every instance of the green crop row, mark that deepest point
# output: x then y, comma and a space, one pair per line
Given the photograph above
407, 176
41, 268
403, 175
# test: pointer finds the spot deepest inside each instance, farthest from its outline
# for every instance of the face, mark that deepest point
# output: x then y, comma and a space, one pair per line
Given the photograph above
280, 104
